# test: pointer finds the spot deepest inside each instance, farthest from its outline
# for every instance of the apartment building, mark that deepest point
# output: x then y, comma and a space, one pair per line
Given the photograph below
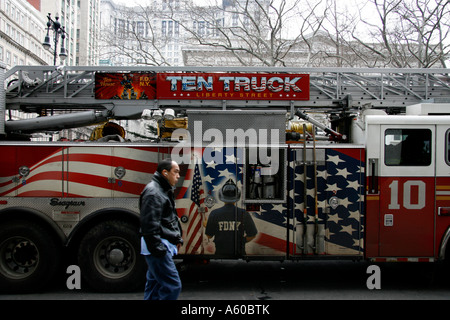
22, 31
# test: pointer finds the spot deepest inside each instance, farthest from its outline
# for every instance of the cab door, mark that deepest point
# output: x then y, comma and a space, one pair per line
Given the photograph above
407, 189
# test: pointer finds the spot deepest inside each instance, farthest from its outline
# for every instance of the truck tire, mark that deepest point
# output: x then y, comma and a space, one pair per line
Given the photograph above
109, 257
29, 257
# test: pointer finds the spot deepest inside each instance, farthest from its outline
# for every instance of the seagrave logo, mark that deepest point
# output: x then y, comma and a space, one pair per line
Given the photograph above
66, 203
263, 145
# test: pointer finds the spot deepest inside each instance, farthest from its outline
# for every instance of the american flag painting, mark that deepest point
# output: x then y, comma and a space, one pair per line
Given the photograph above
205, 175
194, 231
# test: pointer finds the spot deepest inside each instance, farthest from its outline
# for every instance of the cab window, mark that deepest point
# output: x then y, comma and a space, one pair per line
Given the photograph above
447, 147
407, 147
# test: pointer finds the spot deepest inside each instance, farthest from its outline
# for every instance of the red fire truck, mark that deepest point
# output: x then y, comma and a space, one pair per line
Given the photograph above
327, 163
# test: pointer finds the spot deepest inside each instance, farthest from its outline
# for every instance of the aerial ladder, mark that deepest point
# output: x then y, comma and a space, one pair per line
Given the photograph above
69, 93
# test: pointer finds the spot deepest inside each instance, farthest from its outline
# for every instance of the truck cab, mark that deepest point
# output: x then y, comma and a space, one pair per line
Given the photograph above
408, 189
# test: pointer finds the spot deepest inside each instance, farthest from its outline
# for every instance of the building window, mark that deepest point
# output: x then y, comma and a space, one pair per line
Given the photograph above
141, 28
164, 28
8, 58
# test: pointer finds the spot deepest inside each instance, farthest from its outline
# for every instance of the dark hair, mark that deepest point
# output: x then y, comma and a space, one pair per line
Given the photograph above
165, 164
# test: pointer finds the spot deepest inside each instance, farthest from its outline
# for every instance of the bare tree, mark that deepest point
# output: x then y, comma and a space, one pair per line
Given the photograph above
311, 30
382, 33
426, 30
337, 25
253, 31
244, 32
411, 33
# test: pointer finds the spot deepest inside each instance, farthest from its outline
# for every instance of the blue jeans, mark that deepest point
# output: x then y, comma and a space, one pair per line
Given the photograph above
163, 280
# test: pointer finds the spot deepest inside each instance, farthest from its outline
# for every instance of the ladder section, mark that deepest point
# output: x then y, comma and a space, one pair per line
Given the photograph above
32, 88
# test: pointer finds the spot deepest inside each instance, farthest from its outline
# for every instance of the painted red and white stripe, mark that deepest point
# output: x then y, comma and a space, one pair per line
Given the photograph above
82, 172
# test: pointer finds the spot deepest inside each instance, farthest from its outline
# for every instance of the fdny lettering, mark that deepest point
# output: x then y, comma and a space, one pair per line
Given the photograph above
65, 203
146, 81
229, 225
234, 84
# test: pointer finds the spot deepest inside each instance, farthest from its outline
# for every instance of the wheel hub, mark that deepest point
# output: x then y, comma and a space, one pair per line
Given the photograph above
19, 257
114, 257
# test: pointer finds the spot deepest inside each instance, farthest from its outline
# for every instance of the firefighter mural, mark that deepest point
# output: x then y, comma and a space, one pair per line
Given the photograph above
230, 227
216, 221
221, 215
125, 86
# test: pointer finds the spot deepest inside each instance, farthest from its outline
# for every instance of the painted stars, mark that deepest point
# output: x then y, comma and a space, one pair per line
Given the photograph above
276, 213
344, 226
335, 159
220, 164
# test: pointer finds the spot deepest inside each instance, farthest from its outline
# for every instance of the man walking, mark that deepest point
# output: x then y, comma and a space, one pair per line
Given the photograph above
161, 233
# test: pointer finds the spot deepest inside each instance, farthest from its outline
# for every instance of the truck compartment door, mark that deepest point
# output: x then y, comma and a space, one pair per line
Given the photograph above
89, 172
335, 191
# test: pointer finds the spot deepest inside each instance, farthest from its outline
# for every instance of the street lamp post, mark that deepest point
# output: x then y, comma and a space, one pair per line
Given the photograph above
58, 31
